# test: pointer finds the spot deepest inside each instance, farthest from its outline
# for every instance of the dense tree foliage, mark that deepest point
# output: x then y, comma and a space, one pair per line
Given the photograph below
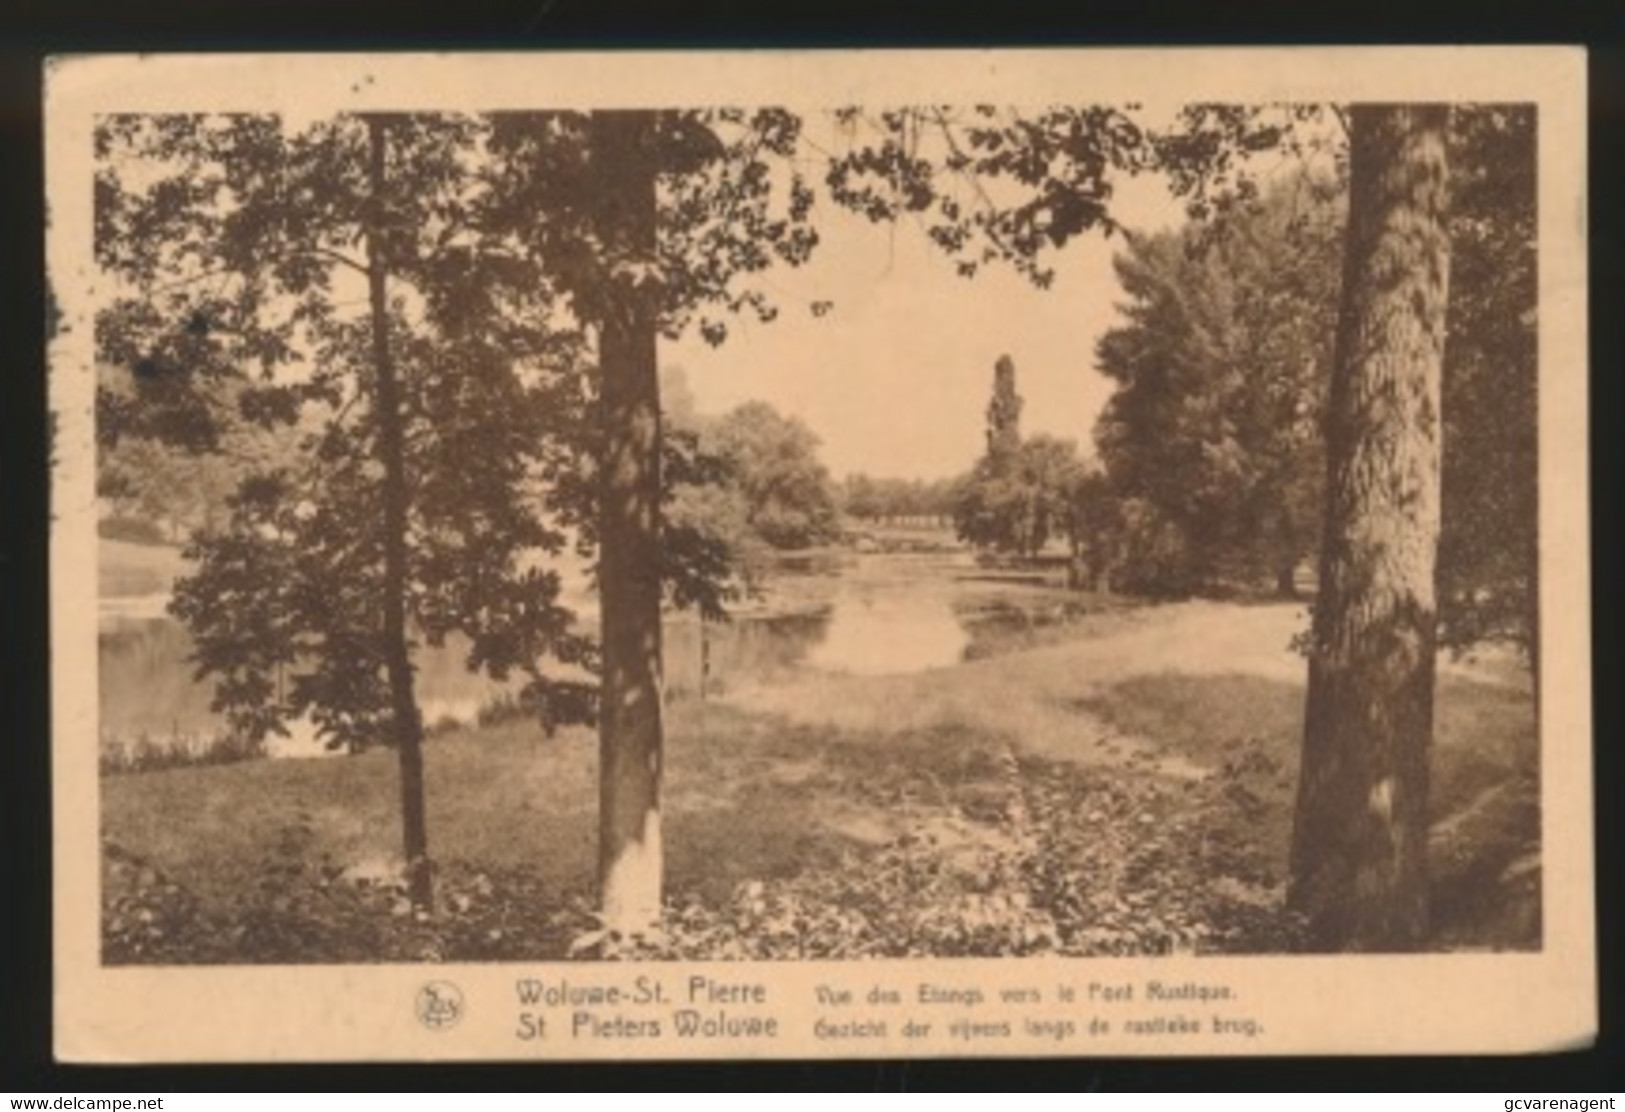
1429, 504
1022, 491
652, 222
755, 478
438, 289
1214, 441
242, 305
1018, 503
1488, 554
994, 185
1220, 364
528, 244
787, 497
1004, 413
171, 492
866, 499
994, 508
656, 220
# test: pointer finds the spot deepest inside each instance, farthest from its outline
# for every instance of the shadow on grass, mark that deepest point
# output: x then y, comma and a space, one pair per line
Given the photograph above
757, 797
788, 840
1485, 843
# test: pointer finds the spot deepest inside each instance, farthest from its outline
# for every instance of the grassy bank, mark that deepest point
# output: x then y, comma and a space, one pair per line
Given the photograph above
1095, 795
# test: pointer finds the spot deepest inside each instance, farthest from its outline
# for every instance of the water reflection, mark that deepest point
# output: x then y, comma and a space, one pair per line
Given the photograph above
862, 615
707, 659
148, 694
145, 682
874, 633
1004, 624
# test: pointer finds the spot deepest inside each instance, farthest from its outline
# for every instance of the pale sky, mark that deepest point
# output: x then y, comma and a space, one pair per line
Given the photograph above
896, 379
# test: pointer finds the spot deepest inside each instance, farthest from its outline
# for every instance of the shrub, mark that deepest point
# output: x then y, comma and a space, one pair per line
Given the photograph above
295, 906
1030, 860
146, 753
1049, 862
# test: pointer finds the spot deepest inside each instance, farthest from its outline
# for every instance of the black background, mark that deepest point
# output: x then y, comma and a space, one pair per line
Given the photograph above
32, 29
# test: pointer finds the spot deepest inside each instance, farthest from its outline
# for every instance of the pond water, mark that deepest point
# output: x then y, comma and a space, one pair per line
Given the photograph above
851, 613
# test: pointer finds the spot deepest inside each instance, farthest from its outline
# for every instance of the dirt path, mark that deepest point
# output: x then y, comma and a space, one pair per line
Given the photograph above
1034, 698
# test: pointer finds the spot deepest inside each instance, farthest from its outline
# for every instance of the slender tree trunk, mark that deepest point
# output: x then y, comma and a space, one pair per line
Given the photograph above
1286, 581
1359, 851
630, 729
391, 439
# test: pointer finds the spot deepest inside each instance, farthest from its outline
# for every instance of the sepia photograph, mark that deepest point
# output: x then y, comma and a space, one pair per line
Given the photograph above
965, 565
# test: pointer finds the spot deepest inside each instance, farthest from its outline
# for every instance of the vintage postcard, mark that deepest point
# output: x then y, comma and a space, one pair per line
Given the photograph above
850, 554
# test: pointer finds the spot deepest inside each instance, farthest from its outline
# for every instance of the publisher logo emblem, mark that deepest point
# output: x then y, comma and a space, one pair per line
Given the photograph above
439, 1005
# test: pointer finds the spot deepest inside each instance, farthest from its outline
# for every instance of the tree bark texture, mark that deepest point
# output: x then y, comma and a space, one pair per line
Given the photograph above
1359, 850
630, 728
408, 724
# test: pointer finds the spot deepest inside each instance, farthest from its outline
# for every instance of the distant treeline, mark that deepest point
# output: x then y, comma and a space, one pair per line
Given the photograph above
1209, 468
867, 500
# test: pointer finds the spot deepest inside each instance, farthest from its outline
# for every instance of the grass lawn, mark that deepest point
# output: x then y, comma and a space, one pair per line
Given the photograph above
1110, 759
1484, 786
746, 797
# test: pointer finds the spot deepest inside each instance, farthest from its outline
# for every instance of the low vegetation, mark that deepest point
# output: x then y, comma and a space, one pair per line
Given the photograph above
1150, 816
146, 753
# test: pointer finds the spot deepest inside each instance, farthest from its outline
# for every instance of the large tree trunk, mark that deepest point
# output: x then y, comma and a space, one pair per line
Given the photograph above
1359, 851
408, 722
630, 730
